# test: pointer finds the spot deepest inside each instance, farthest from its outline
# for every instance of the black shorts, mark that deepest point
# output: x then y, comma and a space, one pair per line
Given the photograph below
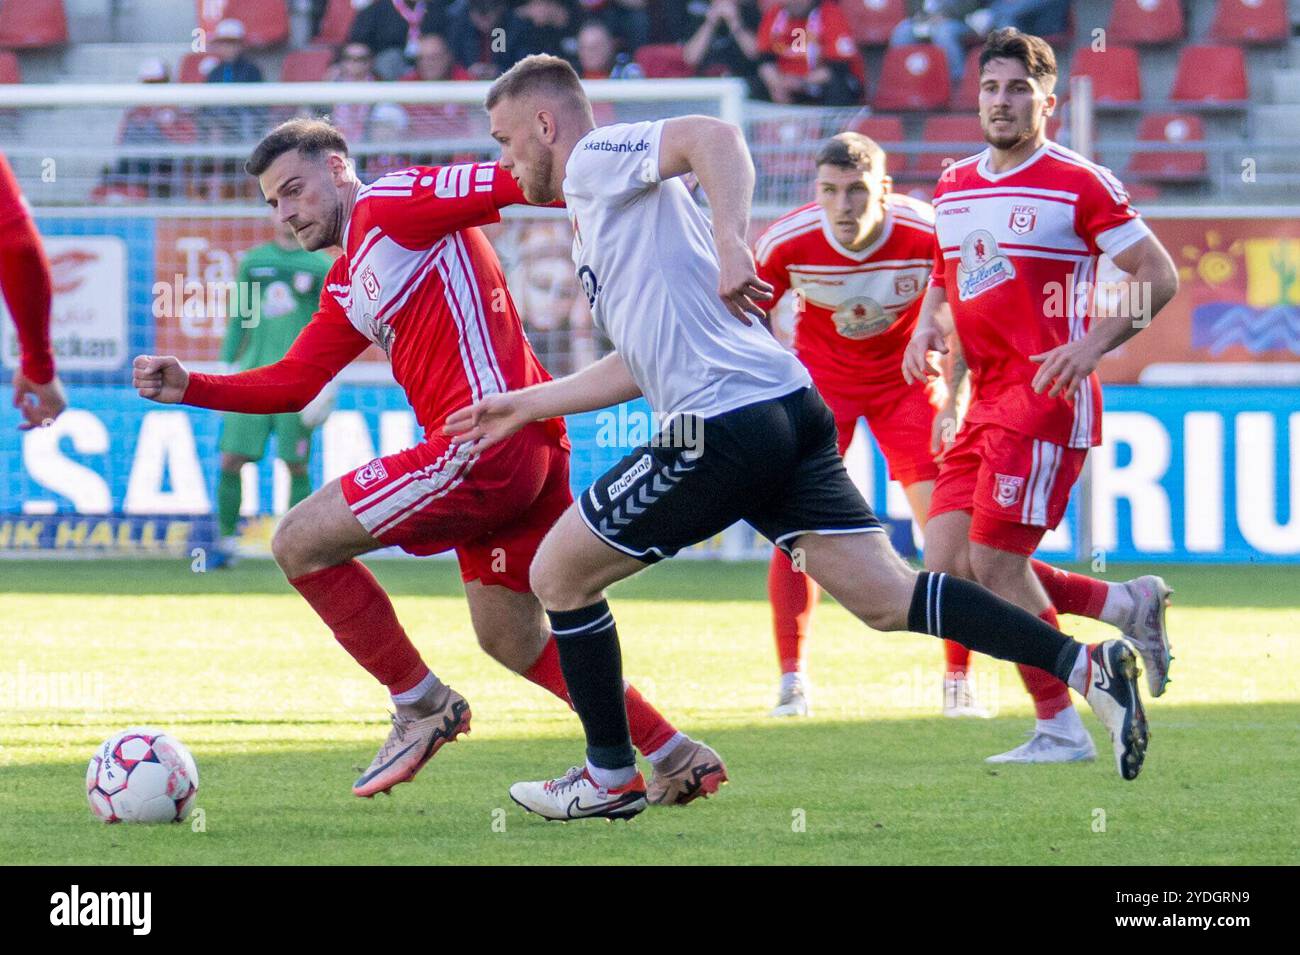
774, 464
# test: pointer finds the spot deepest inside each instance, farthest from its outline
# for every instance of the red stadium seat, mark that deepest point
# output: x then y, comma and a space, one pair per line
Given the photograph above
195, 67
914, 77
965, 130
266, 22
1209, 75
885, 130
10, 72
1169, 166
335, 23
306, 66
663, 60
31, 24
967, 93
1250, 21
872, 21
1147, 22
1116, 81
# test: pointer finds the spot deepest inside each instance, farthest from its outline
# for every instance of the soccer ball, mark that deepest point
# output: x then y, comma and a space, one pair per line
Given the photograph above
141, 775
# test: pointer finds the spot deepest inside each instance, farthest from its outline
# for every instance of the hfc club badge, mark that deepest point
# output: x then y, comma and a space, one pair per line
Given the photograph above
1006, 492
1023, 219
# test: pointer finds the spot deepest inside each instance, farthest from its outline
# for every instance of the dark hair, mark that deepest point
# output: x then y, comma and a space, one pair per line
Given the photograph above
540, 72
311, 137
1033, 52
852, 151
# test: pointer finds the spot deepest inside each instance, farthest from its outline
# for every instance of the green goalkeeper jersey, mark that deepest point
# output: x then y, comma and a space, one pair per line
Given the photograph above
277, 294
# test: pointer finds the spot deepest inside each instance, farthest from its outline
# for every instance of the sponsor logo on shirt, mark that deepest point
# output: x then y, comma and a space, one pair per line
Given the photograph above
628, 478
369, 474
954, 210
862, 318
1022, 219
982, 266
605, 146
1007, 489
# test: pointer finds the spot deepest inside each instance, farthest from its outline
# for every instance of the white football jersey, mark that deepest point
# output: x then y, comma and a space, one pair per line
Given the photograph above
645, 258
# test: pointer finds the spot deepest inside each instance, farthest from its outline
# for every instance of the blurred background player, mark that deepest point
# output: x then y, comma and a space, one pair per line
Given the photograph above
274, 298
858, 259
25, 281
1017, 224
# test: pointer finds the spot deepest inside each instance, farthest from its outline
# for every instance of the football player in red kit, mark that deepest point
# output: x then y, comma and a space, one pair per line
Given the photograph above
420, 281
857, 260
25, 281
1020, 227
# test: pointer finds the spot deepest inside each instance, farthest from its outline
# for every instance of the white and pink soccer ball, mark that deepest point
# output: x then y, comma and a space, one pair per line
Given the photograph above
141, 775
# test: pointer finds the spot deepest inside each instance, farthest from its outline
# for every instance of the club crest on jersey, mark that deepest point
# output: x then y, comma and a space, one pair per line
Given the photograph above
302, 282
1023, 219
1007, 490
369, 474
370, 284
982, 266
861, 318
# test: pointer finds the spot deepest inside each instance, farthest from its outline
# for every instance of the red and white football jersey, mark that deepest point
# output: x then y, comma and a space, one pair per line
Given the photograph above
1017, 255
856, 310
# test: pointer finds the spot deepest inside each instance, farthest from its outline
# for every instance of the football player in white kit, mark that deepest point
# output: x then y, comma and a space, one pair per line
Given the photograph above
744, 435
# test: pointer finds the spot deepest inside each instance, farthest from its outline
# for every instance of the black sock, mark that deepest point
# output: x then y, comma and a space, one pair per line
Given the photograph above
593, 668
956, 609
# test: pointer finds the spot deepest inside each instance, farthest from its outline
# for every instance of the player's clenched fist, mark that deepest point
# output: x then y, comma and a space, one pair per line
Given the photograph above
160, 378
919, 363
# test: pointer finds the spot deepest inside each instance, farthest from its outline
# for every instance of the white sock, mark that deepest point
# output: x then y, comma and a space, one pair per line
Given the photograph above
664, 751
1118, 609
788, 680
1064, 725
611, 778
1079, 673
416, 693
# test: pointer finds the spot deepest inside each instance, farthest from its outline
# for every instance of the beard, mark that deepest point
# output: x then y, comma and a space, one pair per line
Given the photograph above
537, 187
1009, 138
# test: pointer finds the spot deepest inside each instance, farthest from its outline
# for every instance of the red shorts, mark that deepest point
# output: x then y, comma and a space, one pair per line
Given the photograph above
900, 420
493, 510
1016, 486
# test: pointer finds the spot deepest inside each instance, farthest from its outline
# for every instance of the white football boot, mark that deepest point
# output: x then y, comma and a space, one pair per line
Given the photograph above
575, 795
792, 699
1045, 748
959, 699
1112, 692
1146, 630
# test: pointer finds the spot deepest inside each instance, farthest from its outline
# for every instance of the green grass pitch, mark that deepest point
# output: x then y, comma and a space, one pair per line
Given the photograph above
280, 720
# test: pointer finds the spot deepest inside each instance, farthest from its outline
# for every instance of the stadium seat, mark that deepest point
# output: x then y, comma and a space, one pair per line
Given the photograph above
306, 66
1169, 166
31, 24
964, 130
194, 67
10, 71
885, 130
872, 21
335, 23
1116, 81
1211, 75
914, 77
266, 22
663, 60
1250, 21
1147, 22
967, 93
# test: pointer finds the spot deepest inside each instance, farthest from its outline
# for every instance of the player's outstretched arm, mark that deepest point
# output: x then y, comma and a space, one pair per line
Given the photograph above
496, 417
716, 152
1154, 282
928, 337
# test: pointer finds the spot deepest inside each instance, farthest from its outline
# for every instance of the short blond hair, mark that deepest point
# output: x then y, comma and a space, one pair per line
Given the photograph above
540, 73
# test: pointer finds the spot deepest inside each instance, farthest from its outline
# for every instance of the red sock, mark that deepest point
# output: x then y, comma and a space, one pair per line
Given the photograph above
794, 596
1072, 593
956, 658
1050, 694
648, 728
356, 608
